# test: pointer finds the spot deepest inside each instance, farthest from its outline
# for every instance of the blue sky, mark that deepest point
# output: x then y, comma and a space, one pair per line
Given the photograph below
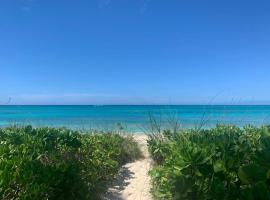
134, 51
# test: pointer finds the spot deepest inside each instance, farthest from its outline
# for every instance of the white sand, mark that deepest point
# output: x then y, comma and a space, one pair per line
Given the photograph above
133, 182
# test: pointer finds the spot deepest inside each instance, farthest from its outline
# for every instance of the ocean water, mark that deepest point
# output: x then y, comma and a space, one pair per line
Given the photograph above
133, 118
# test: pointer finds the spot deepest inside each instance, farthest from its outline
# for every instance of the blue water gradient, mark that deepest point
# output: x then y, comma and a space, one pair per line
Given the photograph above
134, 118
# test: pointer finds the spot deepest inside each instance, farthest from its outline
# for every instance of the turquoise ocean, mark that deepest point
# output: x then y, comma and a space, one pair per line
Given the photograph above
133, 118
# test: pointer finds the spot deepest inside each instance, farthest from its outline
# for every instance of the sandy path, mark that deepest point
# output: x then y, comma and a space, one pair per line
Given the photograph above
133, 182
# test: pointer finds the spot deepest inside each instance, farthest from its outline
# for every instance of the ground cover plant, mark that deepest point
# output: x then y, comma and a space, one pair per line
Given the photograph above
225, 162
57, 163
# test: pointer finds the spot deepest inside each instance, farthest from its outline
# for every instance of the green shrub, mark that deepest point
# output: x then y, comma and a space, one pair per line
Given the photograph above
225, 162
57, 163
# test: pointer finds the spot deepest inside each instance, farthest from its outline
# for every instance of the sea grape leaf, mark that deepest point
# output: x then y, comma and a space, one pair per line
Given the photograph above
252, 173
219, 166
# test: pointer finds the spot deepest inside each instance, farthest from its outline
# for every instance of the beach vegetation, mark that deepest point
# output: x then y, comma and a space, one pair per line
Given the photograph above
225, 162
58, 163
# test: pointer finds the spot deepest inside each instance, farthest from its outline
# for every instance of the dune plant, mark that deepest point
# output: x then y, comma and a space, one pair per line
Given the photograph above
57, 163
225, 162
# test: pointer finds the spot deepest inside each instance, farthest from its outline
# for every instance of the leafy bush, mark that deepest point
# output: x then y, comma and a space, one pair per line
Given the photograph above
57, 163
225, 162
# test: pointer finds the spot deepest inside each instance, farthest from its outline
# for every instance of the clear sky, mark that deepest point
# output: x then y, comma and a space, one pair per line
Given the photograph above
134, 51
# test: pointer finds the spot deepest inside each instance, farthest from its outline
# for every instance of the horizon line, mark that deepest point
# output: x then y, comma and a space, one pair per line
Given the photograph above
134, 104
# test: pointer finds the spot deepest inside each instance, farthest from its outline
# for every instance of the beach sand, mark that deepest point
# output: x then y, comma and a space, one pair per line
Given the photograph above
133, 182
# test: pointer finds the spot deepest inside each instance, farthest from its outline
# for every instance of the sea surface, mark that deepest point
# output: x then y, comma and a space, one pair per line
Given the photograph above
134, 118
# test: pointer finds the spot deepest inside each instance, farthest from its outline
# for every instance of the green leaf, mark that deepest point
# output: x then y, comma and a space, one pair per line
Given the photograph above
219, 166
252, 173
